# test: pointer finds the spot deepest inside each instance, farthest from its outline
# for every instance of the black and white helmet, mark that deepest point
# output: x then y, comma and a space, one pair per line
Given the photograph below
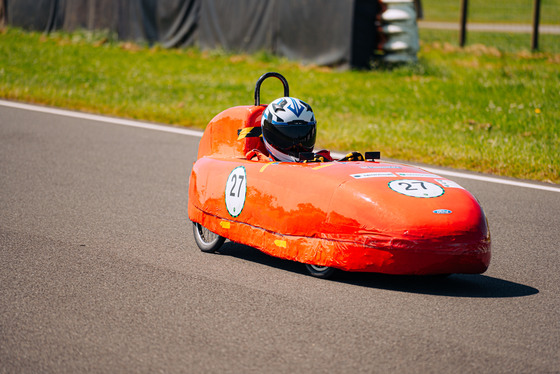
288, 128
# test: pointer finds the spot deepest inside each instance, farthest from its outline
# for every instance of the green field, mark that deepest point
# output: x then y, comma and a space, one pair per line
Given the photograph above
502, 11
480, 109
514, 12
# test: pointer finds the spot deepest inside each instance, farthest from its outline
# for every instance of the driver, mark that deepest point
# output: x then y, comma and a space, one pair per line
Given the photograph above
289, 130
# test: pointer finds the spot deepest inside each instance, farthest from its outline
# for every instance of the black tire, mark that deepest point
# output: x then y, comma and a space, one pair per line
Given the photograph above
206, 240
323, 272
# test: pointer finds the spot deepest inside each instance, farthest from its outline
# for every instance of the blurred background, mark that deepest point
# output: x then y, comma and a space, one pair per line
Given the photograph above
344, 33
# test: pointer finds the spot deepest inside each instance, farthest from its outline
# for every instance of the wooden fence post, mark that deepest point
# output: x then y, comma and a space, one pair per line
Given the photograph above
536, 19
463, 26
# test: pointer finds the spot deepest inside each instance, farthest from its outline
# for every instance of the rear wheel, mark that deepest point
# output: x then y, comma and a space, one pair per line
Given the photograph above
320, 271
206, 240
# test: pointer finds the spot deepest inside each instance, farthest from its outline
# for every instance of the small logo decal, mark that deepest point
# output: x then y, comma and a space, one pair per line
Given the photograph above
373, 175
381, 167
448, 184
418, 175
443, 211
296, 108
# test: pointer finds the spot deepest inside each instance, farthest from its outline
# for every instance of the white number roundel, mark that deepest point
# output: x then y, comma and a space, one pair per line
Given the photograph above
236, 190
416, 188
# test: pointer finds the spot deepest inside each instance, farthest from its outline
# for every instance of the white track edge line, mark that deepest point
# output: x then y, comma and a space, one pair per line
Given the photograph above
99, 118
176, 130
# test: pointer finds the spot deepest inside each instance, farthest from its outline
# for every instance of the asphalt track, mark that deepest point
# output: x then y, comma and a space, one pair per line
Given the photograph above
99, 273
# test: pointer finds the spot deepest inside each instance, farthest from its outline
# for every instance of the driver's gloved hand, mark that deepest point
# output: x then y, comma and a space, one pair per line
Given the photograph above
352, 156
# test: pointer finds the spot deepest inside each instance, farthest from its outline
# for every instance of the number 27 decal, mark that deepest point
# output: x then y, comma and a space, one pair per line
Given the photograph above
234, 178
410, 186
236, 190
416, 188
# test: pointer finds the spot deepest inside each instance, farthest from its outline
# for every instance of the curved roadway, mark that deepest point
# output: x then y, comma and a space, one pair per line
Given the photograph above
99, 273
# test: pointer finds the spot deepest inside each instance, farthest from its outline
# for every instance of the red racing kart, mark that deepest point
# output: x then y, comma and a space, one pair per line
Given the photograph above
361, 216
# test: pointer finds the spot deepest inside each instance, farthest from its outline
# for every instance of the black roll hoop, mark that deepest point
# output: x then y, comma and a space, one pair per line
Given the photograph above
261, 80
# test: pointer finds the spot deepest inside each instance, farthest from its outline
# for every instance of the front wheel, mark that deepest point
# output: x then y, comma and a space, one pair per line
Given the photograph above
323, 272
206, 240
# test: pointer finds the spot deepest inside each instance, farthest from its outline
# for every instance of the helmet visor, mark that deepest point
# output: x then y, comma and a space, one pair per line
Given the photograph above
291, 138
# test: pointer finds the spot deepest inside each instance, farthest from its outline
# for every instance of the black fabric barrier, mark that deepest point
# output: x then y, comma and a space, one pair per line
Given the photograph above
177, 22
237, 25
172, 23
2, 13
335, 32
31, 14
84, 14
316, 31
365, 36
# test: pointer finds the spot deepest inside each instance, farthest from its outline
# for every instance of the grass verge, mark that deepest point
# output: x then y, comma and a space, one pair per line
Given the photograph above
480, 108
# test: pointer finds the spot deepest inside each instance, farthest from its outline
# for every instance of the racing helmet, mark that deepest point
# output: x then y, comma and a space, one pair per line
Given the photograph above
288, 128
